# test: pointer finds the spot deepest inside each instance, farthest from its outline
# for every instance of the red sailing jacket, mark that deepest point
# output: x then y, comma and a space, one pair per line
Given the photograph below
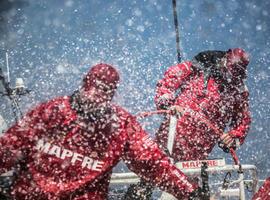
223, 110
264, 191
63, 157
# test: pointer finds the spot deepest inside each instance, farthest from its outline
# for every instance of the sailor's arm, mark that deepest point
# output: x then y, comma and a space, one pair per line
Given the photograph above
167, 86
143, 156
242, 118
19, 138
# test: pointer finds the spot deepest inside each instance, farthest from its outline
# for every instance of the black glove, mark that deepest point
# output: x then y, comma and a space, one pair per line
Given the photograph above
225, 148
200, 194
227, 142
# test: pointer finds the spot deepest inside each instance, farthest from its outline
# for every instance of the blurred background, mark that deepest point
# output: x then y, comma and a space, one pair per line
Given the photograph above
51, 44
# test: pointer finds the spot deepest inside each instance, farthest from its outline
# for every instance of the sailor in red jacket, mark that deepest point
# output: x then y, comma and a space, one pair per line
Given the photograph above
66, 148
211, 86
264, 191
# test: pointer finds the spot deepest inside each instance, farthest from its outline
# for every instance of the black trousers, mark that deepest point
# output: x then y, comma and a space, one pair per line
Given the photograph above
140, 191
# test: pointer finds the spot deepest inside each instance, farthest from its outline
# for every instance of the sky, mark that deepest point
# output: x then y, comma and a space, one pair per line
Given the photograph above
51, 44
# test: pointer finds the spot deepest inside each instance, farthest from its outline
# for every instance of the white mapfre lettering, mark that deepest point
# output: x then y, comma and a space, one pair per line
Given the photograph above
74, 157
41, 146
97, 165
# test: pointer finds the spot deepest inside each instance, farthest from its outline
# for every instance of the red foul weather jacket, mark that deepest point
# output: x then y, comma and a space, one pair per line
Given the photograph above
226, 111
264, 191
63, 157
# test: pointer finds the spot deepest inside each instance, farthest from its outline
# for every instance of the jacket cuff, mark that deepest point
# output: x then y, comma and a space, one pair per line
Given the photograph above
235, 134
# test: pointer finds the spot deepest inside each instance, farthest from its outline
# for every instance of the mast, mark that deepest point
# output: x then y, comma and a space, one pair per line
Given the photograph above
13, 93
176, 26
